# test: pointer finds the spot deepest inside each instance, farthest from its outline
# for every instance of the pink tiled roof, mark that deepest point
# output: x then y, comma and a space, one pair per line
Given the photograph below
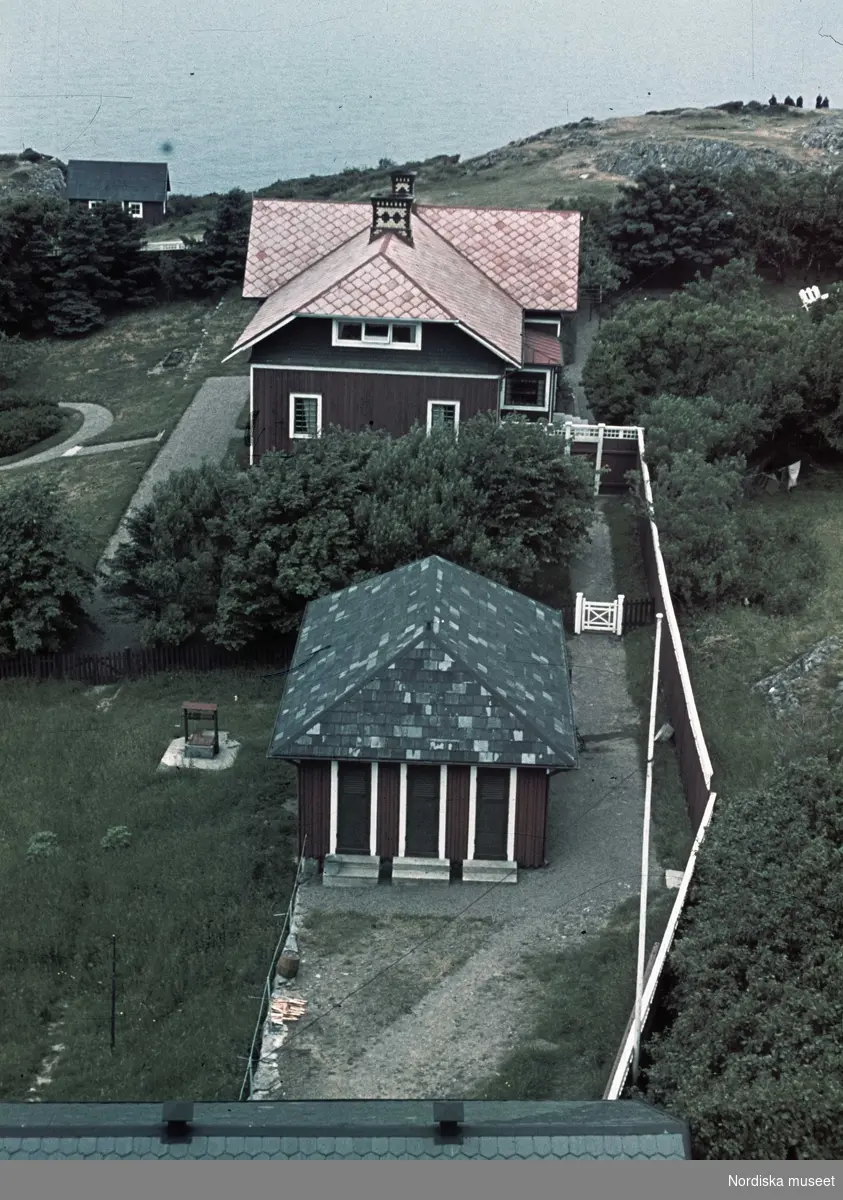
287, 236
541, 348
389, 279
533, 254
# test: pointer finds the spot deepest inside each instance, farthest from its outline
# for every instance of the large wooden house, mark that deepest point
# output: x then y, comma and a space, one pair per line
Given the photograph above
426, 710
141, 188
395, 313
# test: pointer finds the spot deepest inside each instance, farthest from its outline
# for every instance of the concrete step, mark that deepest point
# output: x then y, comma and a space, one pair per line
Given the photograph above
350, 870
421, 870
478, 870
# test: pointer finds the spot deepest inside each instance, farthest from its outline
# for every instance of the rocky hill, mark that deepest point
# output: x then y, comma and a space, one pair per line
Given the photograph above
31, 174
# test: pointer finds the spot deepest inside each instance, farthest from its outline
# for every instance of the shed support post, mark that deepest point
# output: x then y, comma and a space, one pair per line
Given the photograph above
373, 811
443, 806
402, 811
335, 787
472, 812
619, 616
578, 607
510, 818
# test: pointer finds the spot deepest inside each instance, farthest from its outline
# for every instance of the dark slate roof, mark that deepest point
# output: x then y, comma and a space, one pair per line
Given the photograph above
90, 180
369, 1129
429, 663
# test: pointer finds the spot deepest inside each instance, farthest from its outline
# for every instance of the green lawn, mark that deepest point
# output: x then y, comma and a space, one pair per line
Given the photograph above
192, 899
588, 995
98, 488
111, 366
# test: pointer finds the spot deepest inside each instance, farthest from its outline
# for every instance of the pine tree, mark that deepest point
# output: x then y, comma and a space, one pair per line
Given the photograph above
121, 239
28, 232
223, 254
83, 283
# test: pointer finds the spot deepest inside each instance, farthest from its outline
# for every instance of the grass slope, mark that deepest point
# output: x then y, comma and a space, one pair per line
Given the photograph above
191, 899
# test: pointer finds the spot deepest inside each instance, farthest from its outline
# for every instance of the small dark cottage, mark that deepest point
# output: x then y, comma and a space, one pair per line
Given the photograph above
426, 710
141, 188
395, 313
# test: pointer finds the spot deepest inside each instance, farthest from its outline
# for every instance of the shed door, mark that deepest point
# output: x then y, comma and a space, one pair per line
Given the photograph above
492, 814
422, 812
353, 808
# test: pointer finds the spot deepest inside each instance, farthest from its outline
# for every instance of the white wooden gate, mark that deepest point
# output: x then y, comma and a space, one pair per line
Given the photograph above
598, 616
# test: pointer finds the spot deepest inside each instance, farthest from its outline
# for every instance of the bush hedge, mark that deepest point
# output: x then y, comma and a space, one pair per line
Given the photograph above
25, 424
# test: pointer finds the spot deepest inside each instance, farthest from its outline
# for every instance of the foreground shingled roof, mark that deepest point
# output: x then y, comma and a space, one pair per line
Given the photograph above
372, 1129
429, 663
130, 181
532, 254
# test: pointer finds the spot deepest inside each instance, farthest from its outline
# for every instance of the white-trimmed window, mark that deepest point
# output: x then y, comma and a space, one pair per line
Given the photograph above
305, 415
527, 391
135, 209
394, 335
95, 203
443, 414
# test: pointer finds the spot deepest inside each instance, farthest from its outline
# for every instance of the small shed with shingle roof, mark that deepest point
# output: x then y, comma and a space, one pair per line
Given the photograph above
140, 187
426, 709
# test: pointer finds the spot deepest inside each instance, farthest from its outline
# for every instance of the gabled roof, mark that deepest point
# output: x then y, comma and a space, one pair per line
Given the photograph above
386, 277
532, 254
358, 1129
429, 663
130, 181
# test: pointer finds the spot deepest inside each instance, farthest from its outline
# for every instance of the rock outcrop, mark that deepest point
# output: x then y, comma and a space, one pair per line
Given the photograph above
707, 154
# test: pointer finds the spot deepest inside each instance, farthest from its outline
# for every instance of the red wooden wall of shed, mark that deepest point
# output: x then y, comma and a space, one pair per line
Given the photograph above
531, 817
315, 808
456, 813
389, 775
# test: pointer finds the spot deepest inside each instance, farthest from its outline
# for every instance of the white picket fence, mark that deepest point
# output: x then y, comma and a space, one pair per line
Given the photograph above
598, 616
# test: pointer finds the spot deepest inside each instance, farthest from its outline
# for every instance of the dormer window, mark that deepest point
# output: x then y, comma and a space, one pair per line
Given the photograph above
394, 335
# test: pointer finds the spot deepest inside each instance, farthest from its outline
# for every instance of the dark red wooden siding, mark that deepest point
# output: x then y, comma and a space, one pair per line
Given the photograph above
531, 817
315, 807
456, 818
388, 783
391, 402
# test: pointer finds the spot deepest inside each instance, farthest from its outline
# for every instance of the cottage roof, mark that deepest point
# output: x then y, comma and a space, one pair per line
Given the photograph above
429, 663
532, 254
540, 347
129, 181
428, 281
381, 1129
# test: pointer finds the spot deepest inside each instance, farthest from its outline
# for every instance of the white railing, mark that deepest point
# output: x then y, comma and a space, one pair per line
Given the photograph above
598, 616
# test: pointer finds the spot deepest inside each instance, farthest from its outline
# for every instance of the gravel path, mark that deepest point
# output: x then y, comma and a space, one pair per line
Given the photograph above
96, 420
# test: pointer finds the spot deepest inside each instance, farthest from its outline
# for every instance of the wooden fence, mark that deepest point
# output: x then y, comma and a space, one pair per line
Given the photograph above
133, 664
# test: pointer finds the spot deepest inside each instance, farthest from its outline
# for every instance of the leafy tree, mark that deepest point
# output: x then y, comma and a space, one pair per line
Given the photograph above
223, 251
678, 220
713, 338
695, 503
599, 267
167, 575
708, 426
753, 1058
28, 231
42, 584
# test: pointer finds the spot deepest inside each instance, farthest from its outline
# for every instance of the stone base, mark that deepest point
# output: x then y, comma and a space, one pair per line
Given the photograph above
351, 870
421, 870
175, 759
478, 870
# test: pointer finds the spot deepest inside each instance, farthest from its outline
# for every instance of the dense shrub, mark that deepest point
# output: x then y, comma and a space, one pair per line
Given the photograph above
43, 586
753, 1058
25, 425
237, 556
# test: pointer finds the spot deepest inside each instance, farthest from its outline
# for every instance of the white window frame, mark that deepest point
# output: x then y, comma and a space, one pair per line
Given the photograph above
127, 207
455, 404
294, 396
529, 407
95, 203
381, 343
555, 322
